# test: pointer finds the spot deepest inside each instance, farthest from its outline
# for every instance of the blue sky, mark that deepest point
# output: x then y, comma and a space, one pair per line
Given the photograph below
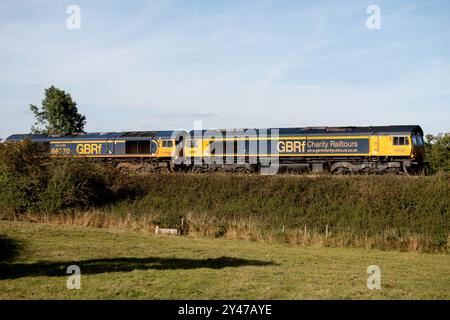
144, 65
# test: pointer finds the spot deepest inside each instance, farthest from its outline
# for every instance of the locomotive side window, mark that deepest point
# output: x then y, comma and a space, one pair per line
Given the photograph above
143, 147
137, 147
167, 143
401, 141
131, 147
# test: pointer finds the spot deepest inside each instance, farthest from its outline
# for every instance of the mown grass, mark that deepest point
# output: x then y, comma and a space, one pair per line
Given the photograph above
123, 265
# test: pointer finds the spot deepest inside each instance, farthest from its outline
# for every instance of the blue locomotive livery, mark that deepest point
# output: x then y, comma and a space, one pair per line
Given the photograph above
324, 146
81, 148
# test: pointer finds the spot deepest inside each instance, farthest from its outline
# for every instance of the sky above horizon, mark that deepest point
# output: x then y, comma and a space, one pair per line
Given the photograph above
152, 65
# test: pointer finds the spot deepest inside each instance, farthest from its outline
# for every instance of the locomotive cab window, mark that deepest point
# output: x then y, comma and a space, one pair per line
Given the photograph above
417, 140
420, 141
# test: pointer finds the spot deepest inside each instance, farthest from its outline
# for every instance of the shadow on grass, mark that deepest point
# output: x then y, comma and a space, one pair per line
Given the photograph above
9, 248
97, 266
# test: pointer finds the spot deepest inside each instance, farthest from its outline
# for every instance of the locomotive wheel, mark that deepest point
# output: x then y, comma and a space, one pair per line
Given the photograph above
366, 171
393, 171
342, 170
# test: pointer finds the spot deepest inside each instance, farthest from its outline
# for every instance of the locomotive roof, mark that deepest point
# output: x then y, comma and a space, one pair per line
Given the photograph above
381, 130
131, 135
140, 135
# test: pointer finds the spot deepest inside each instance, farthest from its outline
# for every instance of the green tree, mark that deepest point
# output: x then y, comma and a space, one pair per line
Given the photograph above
437, 152
58, 114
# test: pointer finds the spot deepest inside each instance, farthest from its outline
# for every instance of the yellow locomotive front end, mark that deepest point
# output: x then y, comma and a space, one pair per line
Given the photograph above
406, 147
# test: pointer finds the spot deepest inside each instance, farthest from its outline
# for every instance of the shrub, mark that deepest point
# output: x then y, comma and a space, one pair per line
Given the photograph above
75, 183
22, 175
31, 181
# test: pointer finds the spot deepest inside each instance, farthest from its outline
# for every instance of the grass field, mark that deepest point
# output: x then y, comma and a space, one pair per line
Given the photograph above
127, 265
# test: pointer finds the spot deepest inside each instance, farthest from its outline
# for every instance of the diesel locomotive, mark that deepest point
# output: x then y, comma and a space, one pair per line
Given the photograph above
341, 150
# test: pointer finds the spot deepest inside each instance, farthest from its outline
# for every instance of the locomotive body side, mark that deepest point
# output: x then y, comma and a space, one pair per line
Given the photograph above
342, 150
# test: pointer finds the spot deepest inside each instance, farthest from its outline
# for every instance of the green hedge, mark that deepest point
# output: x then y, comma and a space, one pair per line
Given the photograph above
389, 206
